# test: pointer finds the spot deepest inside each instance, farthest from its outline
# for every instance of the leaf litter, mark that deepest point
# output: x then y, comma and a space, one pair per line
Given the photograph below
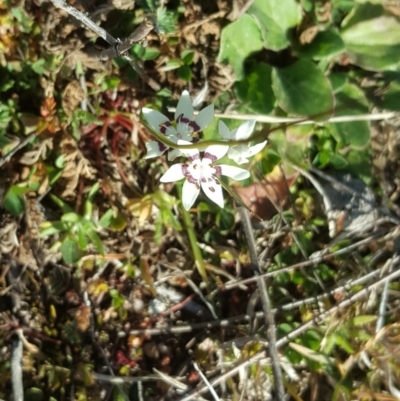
86, 324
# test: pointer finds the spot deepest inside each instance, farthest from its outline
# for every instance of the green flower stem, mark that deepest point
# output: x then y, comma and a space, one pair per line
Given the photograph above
198, 257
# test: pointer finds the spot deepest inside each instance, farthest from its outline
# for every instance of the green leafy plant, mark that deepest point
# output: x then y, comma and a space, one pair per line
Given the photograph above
77, 231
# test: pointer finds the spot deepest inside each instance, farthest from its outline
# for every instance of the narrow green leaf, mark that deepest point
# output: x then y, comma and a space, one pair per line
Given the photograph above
106, 219
50, 228
82, 241
94, 237
61, 204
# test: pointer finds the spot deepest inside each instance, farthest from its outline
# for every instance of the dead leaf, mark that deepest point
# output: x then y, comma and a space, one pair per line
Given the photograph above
260, 197
71, 97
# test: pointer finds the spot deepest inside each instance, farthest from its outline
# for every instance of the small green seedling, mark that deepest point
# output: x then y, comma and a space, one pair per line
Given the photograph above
77, 231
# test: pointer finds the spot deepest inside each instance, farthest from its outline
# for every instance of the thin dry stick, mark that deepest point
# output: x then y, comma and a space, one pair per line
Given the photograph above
16, 367
118, 47
119, 380
277, 120
314, 260
206, 382
300, 330
220, 323
266, 304
384, 297
14, 150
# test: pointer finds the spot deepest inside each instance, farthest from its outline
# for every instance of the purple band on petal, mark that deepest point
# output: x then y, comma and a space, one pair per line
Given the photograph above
196, 156
188, 176
191, 124
194, 126
210, 156
164, 126
162, 146
185, 168
218, 170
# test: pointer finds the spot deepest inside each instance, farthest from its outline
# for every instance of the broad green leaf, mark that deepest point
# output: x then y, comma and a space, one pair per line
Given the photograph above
238, 40
276, 18
302, 89
351, 101
361, 12
326, 157
337, 80
326, 44
70, 251
38, 66
255, 92
185, 73
187, 56
150, 53
13, 202
172, 64
372, 43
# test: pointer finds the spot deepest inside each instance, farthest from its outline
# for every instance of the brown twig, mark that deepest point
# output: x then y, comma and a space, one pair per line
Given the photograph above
118, 48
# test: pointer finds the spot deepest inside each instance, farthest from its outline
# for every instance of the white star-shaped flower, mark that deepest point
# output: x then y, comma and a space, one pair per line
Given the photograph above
240, 153
202, 173
183, 128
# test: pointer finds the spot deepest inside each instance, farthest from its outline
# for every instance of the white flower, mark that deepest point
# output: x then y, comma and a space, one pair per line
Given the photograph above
240, 153
202, 173
183, 129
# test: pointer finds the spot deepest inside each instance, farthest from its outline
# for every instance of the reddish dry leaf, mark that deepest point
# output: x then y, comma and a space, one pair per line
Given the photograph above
262, 197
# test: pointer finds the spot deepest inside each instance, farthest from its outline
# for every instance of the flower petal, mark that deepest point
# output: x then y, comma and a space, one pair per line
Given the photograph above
204, 118
183, 132
190, 192
238, 154
154, 149
173, 154
213, 190
174, 173
224, 131
191, 154
184, 106
215, 152
158, 121
236, 173
245, 130
253, 150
